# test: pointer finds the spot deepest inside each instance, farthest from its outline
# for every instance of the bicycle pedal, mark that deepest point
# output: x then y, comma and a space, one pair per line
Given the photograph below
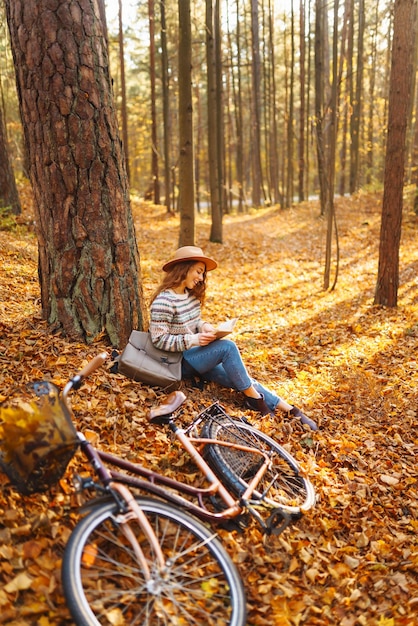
237, 525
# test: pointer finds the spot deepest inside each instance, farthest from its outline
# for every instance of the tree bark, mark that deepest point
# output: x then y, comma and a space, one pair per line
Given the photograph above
256, 107
290, 117
186, 165
213, 136
88, 258
332, 135
154, 140
238, 106
405, 14
166, 107
320, 82
302, 109
356, 102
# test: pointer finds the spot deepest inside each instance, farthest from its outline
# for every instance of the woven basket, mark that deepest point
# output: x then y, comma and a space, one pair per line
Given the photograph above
37, 440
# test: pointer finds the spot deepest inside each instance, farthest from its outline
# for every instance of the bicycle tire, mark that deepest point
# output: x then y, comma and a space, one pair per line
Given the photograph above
283, 485
103, 582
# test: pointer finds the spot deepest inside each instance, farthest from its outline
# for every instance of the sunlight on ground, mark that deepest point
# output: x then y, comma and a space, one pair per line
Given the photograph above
270, 275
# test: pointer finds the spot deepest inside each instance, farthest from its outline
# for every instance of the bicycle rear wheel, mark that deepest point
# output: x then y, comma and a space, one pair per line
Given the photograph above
282, 486
104, 583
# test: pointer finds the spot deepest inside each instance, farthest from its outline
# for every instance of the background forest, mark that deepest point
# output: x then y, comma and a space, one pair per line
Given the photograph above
263, 57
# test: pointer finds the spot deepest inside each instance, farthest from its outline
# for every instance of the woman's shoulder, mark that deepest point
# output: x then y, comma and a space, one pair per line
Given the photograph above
168, 296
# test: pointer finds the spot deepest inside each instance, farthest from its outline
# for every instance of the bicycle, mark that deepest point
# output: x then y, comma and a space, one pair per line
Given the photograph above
142, 560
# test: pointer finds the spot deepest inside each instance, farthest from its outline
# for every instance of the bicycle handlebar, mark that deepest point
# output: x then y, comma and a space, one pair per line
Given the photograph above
77, 380
96, 362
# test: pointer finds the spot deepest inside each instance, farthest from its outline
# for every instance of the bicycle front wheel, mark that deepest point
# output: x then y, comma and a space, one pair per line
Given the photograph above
282, 486
104, 583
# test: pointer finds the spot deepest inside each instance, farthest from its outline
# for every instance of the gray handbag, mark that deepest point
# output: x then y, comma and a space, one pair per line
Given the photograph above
143, 362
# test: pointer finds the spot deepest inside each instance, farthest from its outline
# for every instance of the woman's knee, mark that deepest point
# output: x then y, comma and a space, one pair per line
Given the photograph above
230, 346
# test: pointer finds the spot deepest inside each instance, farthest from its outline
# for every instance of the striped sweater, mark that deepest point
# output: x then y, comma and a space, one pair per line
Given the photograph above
175, 321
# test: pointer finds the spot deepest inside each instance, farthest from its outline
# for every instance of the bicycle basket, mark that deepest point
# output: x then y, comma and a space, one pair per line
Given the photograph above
37, 440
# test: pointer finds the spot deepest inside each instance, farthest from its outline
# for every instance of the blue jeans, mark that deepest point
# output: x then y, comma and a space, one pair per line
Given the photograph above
221, 362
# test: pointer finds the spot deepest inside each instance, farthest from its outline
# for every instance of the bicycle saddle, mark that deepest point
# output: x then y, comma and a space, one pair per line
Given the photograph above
162, 413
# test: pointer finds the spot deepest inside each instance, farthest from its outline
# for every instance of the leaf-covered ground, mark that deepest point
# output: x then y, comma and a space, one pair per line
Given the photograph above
350, 365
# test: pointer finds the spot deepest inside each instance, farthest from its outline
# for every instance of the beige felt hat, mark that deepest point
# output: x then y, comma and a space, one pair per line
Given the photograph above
190, 253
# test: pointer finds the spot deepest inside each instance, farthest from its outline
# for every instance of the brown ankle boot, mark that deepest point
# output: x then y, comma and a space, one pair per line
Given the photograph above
258, 404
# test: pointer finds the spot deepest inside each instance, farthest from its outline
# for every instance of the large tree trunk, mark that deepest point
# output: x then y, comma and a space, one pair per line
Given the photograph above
88, 257
399, 105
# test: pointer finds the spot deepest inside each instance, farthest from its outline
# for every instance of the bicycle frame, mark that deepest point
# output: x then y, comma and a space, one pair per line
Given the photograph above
157, 483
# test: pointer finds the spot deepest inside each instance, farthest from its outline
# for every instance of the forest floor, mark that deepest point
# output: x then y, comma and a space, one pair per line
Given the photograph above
350, 365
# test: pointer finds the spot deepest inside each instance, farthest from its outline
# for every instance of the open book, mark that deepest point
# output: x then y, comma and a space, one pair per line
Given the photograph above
225, 328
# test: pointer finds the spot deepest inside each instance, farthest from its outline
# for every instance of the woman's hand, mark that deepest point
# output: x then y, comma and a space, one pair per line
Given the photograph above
207, 337
207, 328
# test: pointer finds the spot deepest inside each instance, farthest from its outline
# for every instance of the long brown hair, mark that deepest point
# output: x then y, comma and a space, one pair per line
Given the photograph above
175, 276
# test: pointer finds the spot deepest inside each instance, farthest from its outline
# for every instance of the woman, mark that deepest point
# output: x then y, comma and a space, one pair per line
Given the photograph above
176, 325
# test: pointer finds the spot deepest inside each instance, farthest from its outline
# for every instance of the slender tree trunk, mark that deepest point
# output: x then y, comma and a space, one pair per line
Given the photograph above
166, 107
356, 102
154, 140
238, 120
302, 111
198, 140
124, 116
405, 15
88, 258
256, 110
348, 47
371, 105
308, 122
330, 207
320, 70
266, 63
186, 157
229, 147
290, 117
220, 127
273, 135
213, 136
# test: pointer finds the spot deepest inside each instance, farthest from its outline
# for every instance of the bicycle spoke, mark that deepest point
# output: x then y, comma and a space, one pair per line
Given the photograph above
282, 485
198, 584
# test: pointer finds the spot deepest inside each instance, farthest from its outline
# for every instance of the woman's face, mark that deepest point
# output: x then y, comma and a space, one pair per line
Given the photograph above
195, 275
